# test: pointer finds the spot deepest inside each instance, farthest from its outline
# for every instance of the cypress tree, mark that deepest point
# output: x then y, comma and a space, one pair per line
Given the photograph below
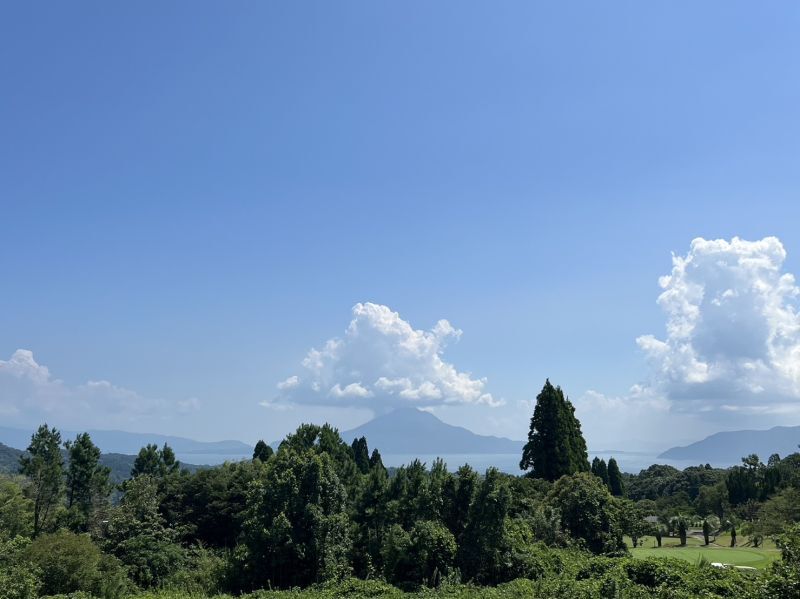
375, 460
361, 454
600, 470
615, 482
555, 444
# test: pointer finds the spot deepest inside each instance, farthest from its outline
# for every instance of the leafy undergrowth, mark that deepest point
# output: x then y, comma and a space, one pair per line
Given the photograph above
597, 578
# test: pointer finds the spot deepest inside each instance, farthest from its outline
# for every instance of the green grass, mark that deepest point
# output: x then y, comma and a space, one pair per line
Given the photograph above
738, 556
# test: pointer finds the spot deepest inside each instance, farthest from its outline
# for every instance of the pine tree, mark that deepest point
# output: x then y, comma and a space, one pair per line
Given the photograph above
600, 470
615, 482
262, 451
154, 462
147, 462
44, 466
555, 444
170, 465
88, 483
361, 454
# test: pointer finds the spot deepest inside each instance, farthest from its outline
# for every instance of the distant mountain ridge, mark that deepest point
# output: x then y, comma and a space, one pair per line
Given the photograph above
130, 443
412, 431
120, 464
731, 446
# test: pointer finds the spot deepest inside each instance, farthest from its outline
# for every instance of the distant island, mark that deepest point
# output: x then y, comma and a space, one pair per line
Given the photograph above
730, 446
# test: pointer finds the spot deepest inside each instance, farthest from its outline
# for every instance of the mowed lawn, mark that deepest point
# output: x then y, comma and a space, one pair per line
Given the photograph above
694, 551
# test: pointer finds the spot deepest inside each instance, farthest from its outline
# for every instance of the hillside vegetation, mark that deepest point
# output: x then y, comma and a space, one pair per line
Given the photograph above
321, 517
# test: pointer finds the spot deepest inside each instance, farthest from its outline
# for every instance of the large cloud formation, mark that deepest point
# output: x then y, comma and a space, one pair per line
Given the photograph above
382, 362
731, 354
733, 329
29, 395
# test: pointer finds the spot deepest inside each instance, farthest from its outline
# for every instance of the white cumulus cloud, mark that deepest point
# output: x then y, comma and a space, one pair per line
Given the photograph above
733, 328
380, 362
730, 357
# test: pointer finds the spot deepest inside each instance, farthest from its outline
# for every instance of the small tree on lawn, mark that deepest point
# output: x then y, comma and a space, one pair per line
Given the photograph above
706, 531
682, 528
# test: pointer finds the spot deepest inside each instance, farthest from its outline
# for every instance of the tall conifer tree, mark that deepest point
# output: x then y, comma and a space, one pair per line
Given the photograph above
45, 467
88, 484
555, 444
615, 482
361, 454
600, 470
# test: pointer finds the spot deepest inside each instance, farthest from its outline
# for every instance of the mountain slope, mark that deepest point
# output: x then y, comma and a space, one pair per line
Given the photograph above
412, 431
130, 443
731, 446
120, 464
9, 459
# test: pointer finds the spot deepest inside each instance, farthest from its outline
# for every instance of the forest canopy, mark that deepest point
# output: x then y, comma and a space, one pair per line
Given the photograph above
323, 514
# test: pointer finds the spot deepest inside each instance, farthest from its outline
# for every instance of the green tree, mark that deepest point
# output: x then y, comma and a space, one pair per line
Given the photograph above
410, 495
375, 460
361, 454
682, 526
371, 518
778, 513
632, 521
147, 462
784, 581
155, 462
16, 510
297, 530
600, 470
69, 563
483, 548
88, 485
138, 536
420, 557
588, 512
19, 578
706, 532
459, 494
615, 482
555, 444
262, 451
713, 499
44, 466
746, 482
211, 503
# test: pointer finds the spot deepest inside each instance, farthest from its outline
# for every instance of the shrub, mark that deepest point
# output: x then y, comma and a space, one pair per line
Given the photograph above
18, 579
70, 563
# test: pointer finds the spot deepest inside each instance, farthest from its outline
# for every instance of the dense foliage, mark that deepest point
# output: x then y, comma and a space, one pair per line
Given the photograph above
326, 516
555, 446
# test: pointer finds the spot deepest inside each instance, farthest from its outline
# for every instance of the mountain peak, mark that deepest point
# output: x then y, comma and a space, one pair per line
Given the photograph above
409, 430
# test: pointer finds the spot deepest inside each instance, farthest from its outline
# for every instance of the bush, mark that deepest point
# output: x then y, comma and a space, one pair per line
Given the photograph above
207, 573
654, 572
18, 579
69, 563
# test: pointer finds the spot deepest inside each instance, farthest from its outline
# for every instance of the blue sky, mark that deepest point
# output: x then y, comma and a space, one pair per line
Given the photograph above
194, 195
